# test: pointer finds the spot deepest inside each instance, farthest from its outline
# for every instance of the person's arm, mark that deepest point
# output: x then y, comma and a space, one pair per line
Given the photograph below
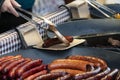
9, 6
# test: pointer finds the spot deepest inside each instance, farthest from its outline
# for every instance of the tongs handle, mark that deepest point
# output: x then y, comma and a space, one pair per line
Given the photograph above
29, 19
52, 27
39, 17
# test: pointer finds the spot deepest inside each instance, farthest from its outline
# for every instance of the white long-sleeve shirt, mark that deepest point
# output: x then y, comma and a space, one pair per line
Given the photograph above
43, 7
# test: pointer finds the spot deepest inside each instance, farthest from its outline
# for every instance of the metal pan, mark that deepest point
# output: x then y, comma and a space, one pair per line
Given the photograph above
96, 14
112, 58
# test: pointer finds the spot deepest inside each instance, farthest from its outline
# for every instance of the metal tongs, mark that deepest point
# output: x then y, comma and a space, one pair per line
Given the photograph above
51, 28
97, 6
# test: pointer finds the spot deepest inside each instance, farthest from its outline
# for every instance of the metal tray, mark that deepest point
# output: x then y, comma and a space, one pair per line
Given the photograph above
112, 58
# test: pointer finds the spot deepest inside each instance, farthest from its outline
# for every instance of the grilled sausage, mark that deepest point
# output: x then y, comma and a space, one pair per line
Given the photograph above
32, 77
70, 64
13, 71
87, 74
13, 64
111, 75
97, 61
5, 57
70, 71
50, 76
54, 41
9, 58
32, 71
7, 63
100, 75
28, 66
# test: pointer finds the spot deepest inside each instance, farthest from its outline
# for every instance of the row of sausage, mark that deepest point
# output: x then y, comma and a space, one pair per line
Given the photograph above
74, 67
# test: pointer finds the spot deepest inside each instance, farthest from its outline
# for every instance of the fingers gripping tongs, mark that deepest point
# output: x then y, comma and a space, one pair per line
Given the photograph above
51, 28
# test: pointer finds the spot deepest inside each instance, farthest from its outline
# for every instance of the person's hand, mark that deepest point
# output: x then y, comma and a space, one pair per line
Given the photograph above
9, 6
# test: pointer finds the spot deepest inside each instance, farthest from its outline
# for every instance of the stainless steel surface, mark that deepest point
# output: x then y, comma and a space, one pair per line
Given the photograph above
97, 35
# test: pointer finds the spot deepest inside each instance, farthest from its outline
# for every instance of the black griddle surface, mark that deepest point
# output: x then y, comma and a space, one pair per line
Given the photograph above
90, 26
